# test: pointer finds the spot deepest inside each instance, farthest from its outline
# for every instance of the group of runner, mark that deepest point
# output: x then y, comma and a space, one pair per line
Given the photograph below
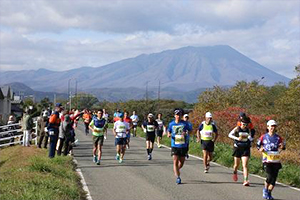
270, 143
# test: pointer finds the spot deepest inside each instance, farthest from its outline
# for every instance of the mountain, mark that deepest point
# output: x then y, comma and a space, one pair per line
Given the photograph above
187, 68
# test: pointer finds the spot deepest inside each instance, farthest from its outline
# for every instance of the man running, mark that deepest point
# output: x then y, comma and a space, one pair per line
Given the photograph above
160, 130
205, 134
177, 130
98, 126
149, 126
242, 137
120, 130
135, 120
270, 144
87, 119
186, 119
128, 120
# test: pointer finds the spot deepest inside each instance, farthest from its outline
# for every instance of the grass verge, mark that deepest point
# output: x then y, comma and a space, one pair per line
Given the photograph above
28, 173
289, 174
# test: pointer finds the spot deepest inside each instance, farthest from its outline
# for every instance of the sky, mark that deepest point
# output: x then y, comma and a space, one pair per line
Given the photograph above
66, 34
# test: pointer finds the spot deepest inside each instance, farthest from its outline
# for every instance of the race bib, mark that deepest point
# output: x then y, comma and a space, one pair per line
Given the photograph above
179, 139
121, 129
273, 156
244, 136
206, 135
150, 128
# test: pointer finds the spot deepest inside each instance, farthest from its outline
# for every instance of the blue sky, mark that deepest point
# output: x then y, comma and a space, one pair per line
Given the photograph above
62, 35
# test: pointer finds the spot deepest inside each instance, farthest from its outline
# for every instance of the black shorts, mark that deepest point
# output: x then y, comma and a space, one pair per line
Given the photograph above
182, 152
120, 141
134, 126
272, 170
208, 145
150, 137
241, 152
159, 133
98, 140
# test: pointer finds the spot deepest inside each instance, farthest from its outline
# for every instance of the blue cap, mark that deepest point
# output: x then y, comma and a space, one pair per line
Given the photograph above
58, 105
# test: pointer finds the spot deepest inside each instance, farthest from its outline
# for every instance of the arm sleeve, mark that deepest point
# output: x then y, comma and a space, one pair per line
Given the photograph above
231, 134
200, 127
215, 129
259, 142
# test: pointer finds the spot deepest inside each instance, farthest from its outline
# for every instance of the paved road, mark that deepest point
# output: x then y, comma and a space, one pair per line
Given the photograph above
138, 178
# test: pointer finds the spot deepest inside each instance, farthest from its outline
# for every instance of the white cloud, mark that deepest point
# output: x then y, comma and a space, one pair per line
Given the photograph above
62, 35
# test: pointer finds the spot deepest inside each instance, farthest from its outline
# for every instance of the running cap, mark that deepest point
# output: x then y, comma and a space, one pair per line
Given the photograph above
178, 111
150, 115
242, 114
208, 115
186, 115
245, 120
272, 123
58, 105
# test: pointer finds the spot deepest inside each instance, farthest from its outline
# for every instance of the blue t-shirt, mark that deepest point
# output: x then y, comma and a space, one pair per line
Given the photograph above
178, 139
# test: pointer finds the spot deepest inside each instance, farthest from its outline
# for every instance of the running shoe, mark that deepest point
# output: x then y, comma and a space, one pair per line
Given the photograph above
121, 160
187, 156
235, 176
178, 180
159, 145
117, 157
207, 166
246, 183
265, 193
149, 157
269, 195
98, 162
95, 158
206, 171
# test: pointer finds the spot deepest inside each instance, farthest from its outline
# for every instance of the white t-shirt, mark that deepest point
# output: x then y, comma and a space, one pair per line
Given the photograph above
134, 119
121, 129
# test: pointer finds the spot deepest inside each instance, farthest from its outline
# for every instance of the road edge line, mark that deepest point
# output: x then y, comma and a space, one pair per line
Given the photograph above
84, 184
217, 164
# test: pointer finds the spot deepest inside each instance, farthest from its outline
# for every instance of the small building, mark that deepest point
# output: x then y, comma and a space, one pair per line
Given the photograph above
6, 97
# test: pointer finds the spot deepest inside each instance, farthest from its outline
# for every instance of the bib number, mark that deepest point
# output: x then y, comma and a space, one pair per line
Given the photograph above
273, 156
150, 128
179, 139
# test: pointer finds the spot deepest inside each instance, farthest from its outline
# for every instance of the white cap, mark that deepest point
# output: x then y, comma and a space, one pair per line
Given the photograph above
272, 123
208, 115
150, 115
185, 115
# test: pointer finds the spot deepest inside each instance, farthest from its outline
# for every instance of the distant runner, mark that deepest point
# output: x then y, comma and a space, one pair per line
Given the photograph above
149, 127
160, 130
177, 130
270, 145
87, 117
128, 120
120, 130
135, 120
242, 143
205, 134
186, 119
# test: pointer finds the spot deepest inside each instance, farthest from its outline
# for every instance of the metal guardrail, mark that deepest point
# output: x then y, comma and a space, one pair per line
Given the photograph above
12, 131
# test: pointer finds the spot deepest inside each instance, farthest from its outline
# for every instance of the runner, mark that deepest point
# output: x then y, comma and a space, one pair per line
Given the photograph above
117, 115
160, 130
105, 116
186, 119
242, 143
98, 126
149, 128
270, 144
87, 117
128, 120
205, 134
120, 130
250, 125
135, 120
177, 130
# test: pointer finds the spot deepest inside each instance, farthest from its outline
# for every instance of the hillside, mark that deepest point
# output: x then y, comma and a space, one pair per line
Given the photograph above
187, 68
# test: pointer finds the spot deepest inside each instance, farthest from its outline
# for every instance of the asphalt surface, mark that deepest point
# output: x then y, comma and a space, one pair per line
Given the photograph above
138, 178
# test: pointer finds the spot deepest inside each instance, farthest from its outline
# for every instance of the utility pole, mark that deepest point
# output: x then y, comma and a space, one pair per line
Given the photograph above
76, 100
158, 97
147, 91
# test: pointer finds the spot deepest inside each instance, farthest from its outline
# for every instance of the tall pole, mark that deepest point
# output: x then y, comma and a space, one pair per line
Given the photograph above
158, 96
69, 91
76, 93
147, 91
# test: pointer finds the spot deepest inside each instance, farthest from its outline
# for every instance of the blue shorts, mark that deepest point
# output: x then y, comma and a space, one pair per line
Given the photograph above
120, 141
